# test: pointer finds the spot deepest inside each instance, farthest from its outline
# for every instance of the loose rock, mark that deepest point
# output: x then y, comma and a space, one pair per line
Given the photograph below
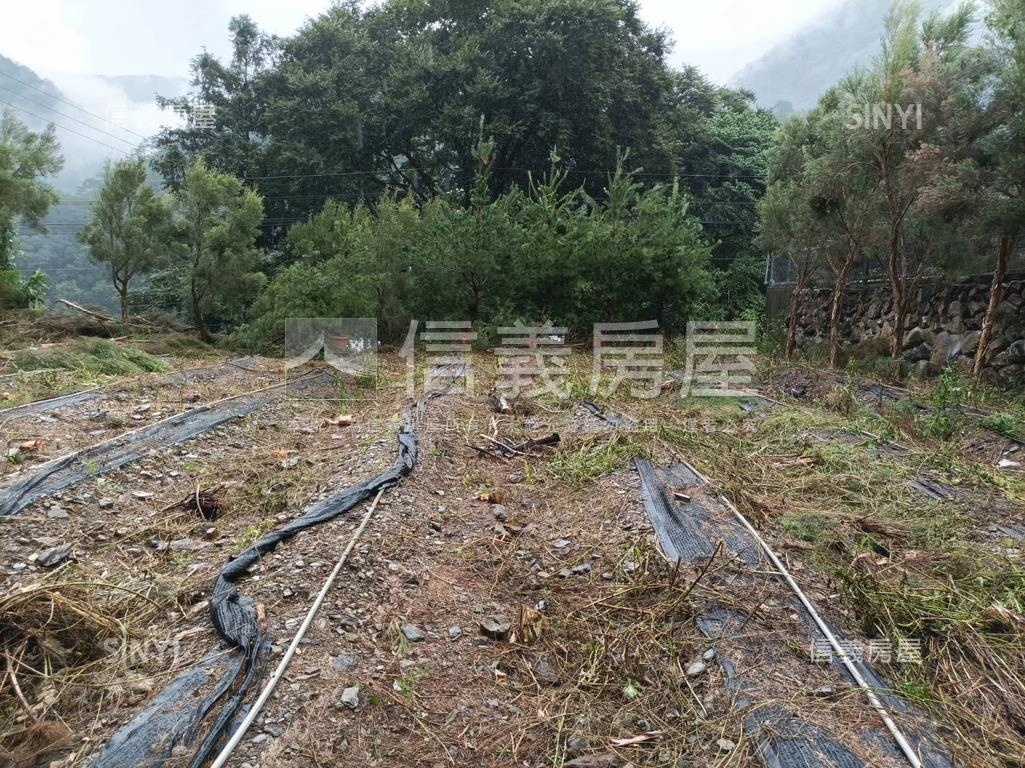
350, 697
497, 627
412, 633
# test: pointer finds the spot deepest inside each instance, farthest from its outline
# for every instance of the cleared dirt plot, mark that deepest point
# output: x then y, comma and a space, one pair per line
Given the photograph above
151, 536
518, 600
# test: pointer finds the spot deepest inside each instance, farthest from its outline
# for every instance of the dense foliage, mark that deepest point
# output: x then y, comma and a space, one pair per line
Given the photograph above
547, 254
382, 103
26, 158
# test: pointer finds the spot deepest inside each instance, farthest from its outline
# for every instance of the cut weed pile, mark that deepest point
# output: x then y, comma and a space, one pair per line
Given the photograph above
53, 639
622, 657
99, 358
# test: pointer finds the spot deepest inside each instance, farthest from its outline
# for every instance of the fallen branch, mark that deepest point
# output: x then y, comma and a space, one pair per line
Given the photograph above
17, 688
505, 449
104, 319
138, 322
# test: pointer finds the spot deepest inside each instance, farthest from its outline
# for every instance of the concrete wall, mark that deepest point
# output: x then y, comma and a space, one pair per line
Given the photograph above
944, 324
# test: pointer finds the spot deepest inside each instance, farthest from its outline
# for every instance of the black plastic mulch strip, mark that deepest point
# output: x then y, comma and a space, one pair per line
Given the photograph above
97, 460
52, 403
934, 489
171, 721
690, 527
155, 725
786, 741
235, 618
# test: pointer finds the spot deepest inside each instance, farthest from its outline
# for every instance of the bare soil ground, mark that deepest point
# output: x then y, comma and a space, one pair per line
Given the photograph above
514, 609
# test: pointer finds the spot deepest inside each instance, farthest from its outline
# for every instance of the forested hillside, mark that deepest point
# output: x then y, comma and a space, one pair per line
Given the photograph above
795, 73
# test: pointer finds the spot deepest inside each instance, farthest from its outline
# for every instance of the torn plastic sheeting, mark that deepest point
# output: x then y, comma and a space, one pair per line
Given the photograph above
69, 470
601, 413
235, 618
157, 721
690, 530
934, 489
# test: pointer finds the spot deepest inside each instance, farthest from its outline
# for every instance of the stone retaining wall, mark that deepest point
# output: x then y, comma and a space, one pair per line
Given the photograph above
944, 324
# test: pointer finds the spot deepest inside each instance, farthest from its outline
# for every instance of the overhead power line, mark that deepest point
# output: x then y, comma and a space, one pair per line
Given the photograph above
69, 117
607, 171
67, 101
64, 127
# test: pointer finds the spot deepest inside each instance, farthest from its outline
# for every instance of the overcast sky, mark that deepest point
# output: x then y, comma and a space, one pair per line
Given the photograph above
158, 37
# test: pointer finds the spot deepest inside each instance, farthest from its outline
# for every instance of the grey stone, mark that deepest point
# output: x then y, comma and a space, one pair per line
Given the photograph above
921, 352
412, 633
344, 663
697, 668
545, 672
350, 696
496, 626
56, 513
53, 557
916, 337
971, 343
455, 632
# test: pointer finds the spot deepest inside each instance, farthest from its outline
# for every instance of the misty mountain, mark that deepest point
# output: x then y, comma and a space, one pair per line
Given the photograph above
142, 89
799, 70
37, 102
29, 96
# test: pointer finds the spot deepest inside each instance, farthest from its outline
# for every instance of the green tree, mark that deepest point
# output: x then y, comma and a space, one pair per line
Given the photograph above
1005, 146
788, 229
25, 158
368, 99
223, 111
130, 228
883, 140
218, 221
843, 197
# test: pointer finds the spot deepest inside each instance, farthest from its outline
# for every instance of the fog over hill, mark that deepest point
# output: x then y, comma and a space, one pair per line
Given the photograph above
96, 119
794, 74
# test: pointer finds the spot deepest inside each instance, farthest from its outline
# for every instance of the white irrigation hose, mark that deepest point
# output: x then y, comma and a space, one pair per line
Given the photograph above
268, 689
855, 673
